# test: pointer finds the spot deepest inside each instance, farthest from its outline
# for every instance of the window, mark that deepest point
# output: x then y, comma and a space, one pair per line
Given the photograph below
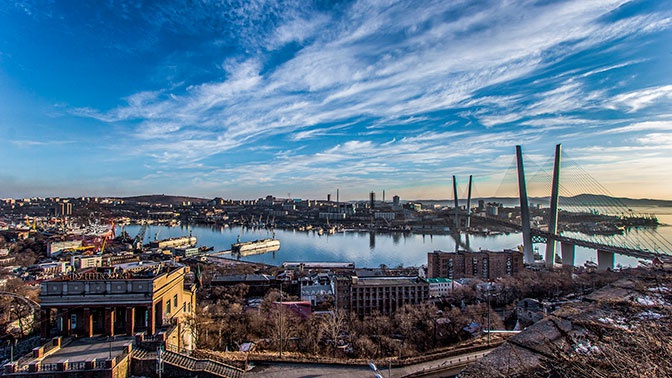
167, 307
73, 321
175, 301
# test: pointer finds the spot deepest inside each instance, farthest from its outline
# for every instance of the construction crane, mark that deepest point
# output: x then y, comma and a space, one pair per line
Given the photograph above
31, 225
139, 239
102, 248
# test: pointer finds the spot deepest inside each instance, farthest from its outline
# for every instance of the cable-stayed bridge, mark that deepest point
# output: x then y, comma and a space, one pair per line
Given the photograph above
600, 221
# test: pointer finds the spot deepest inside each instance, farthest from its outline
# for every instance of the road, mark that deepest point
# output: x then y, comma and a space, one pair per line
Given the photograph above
425, 369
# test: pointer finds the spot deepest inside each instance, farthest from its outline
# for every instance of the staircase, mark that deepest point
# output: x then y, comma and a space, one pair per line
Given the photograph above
217, 369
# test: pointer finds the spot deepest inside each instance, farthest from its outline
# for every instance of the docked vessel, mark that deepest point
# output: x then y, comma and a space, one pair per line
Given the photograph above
173, 242
255, 247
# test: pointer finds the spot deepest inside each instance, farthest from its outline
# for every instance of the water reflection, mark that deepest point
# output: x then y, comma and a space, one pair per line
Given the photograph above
356, 247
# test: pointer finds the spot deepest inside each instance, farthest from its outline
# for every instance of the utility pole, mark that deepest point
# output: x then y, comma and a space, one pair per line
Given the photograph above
280, 327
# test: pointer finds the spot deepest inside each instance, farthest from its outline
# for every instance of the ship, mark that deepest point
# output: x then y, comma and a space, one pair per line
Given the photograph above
173, 242
255, 247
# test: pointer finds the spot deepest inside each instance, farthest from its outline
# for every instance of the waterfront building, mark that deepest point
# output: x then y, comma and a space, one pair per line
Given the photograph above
388, 215
56, 247
480, 264
185, 251
127, 298
332, 216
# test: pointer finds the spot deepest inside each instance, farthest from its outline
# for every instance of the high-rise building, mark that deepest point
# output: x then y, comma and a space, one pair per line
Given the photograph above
62, 209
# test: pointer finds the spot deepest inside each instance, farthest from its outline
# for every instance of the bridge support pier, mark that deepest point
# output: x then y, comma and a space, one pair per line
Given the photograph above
568, 251
605, 260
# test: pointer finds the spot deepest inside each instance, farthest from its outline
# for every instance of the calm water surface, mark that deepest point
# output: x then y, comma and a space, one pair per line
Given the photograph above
368, 249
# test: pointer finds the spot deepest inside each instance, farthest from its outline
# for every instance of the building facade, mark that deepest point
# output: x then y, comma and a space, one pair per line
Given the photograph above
124, 299
384, 295
484, 265
440, 287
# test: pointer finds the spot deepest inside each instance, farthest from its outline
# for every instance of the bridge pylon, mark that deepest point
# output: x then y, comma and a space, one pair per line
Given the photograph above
553, 216
528, 253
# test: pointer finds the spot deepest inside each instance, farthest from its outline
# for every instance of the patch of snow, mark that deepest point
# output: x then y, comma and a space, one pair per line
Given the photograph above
584, 347
618, 323
649, 301
650, 315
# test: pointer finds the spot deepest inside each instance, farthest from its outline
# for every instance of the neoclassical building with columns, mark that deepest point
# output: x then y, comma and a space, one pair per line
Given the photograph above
122, 299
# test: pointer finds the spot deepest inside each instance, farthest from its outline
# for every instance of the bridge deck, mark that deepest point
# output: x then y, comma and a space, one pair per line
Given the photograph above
644, 254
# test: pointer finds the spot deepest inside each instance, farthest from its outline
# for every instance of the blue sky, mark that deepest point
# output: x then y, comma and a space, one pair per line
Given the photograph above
240, 99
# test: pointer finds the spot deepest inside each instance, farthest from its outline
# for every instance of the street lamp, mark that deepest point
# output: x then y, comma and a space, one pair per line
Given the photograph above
488, 314
376, 372
159, 360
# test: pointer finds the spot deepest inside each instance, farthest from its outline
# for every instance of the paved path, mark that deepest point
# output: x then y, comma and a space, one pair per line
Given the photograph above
290, 370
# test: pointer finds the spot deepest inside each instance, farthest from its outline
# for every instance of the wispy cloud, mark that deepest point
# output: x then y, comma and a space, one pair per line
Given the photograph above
39, 143
640, 99
371, 90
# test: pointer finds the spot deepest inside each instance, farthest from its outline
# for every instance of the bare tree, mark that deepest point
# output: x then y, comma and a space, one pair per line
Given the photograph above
332, 326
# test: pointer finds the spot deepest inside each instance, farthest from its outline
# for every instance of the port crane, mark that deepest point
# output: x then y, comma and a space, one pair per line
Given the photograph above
139, 239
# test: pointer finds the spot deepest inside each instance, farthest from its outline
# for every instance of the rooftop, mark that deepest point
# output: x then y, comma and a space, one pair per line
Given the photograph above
132, 270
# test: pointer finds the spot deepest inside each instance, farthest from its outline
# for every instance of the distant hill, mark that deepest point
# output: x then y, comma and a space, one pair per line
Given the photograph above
164, 199
578, 200
596, 199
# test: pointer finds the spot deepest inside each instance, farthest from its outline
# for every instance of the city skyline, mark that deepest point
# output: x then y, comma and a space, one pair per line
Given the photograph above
244, 99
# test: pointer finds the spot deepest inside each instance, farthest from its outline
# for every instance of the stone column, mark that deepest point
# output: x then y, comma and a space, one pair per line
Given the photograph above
130, 321
87, 321
151, 326
109, 321
45, 313
66, 323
